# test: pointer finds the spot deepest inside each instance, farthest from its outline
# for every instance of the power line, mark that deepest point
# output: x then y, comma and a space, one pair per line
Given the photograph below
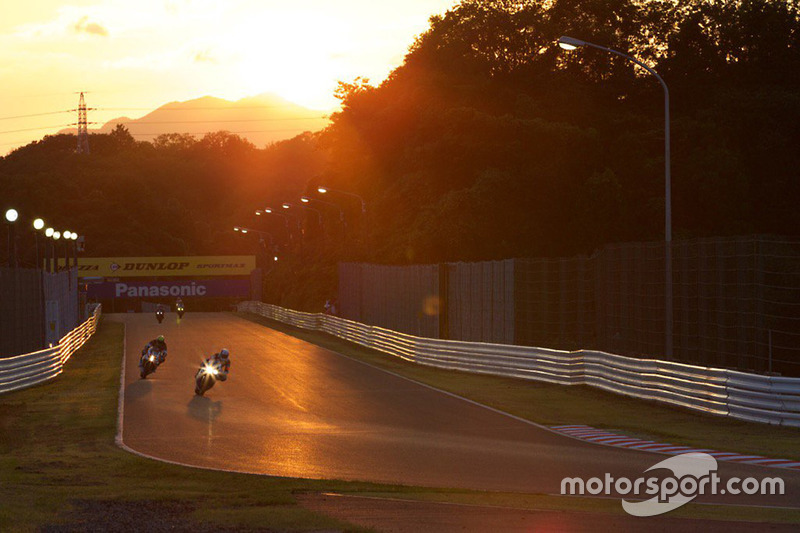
36, 129
205, 108
135, 122
36, 115
215, 131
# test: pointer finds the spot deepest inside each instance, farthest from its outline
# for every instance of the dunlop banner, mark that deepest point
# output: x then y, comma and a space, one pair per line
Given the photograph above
124, 267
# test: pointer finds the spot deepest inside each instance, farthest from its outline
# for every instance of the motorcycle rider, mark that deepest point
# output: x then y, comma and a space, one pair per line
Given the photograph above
159, 346
178, 303
222, 361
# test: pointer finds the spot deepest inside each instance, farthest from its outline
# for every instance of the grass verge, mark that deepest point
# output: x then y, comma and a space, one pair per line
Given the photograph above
60, 469
550, 404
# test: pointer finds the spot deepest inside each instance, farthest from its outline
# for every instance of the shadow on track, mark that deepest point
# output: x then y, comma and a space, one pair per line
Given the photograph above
138, 389
204, 409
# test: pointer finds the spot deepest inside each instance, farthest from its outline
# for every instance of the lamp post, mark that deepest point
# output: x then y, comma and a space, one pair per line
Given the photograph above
56, 238
270, 211
308, 199
48, 252
75, 249
11, 218
261, 234
322, 189
570, 43
67, 238
38, 224
303, 204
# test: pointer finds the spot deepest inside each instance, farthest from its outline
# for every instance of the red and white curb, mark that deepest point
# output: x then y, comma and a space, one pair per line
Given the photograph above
599, 436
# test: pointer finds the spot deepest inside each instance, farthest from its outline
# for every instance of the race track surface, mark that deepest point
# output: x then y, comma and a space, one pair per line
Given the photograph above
293, 409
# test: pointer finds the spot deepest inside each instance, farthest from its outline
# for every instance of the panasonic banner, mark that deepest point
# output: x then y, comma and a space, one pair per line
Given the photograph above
215, 288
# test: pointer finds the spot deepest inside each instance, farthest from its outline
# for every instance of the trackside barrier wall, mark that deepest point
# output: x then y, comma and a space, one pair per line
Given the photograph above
29, 369
756, 398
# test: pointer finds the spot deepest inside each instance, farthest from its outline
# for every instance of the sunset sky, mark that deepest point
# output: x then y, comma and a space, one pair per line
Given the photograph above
134, 56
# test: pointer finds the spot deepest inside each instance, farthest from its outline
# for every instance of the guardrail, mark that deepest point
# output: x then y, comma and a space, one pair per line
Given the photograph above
756, 398
29, 369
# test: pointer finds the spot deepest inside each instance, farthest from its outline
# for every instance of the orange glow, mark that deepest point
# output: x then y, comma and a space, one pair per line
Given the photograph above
132, 57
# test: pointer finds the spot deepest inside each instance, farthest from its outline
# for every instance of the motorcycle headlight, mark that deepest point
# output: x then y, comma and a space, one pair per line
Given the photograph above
152, 358
211, 370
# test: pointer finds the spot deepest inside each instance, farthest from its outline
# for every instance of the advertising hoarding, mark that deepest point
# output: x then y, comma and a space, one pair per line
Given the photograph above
123, 267
211, 288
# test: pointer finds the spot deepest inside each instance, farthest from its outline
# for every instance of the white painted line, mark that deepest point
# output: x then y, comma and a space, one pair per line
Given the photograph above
121, 399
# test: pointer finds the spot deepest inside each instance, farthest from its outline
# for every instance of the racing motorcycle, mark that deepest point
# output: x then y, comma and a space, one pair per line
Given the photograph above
160, 315
180, 310
206, 376
150, 362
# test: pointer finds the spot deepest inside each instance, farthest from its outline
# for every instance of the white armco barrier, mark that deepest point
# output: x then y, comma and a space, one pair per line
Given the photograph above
756, 398
29, 369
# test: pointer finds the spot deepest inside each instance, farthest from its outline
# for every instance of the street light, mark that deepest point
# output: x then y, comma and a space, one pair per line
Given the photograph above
319, 214
571, 43
324, 190
11, 217
38, 224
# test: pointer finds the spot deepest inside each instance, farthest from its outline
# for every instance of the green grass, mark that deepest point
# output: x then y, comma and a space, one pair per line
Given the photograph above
550, 404
57, 452
57, 448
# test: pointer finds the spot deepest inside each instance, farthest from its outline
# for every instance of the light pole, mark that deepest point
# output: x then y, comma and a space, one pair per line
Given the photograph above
74, 237
56, 238
38, 224
317, 211
324, 190
270, 211
67, 238
11, 218
48, 252
272, 247
308, 199
570, 43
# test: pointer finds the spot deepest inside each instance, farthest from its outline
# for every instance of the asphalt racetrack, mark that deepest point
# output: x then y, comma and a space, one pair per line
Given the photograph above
290, 408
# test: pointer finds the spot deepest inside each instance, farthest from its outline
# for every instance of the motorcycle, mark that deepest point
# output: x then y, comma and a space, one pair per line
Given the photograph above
206, 376
150, 362
180, 311
159, 315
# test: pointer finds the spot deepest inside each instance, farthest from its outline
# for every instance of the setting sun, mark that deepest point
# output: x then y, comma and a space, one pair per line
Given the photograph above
134, 57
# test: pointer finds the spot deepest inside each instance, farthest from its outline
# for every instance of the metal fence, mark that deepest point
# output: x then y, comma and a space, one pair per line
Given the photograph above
479, 302
21, 311
36, 308
404, 298
736, 301
32, 368
756, 398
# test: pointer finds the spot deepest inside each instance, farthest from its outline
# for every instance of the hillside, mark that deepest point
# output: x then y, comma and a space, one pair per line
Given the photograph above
261, 119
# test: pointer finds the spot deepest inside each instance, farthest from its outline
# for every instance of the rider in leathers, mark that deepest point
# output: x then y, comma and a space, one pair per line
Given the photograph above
159, 346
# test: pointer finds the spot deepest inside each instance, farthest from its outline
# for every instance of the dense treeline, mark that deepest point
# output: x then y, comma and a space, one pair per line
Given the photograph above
175, 196
487, 142
490, 141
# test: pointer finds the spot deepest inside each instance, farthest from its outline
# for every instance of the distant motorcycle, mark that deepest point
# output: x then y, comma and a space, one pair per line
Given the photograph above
149, 363
205, 378
159, 315
180, 310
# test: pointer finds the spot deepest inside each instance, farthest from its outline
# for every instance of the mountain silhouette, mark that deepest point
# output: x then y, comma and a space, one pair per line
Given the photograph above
261, 119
